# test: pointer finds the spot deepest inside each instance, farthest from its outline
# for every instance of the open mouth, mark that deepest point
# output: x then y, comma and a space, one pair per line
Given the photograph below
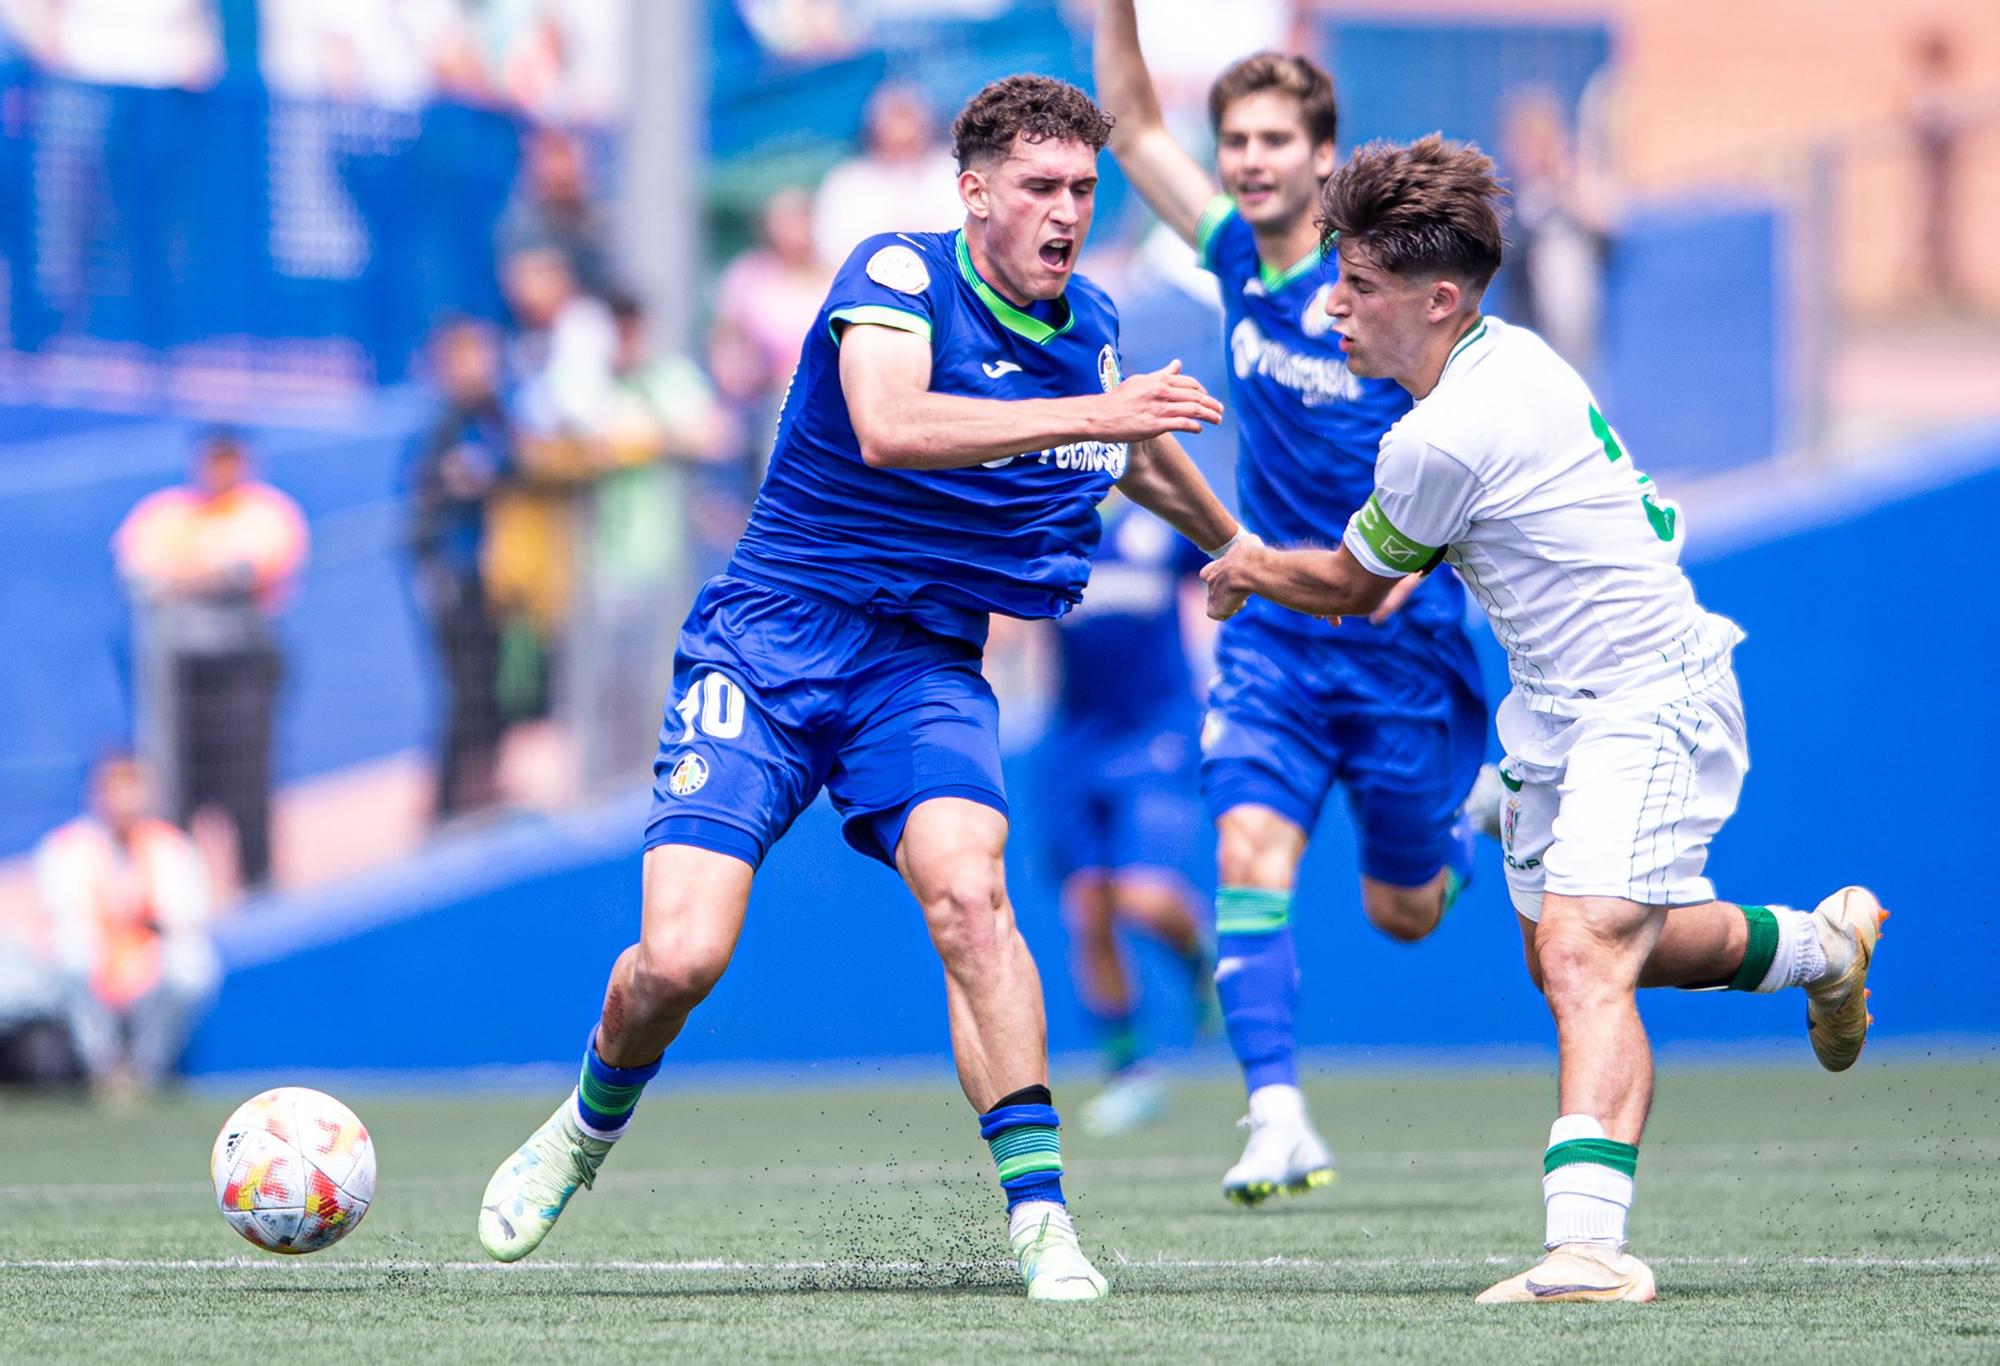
1056, 253
1254, 192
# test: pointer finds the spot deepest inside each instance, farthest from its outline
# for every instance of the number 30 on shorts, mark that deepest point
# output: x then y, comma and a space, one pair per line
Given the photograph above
716, 705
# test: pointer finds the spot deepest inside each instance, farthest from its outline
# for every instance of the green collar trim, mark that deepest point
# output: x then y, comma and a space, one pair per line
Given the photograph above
1010, 317
1275, 280
1472, 333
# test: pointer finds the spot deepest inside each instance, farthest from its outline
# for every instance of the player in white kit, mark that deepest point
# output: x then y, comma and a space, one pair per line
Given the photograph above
1624, 730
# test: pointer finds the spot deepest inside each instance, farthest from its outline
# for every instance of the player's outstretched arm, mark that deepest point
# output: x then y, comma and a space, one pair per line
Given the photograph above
1166, 177
885, 375
1321, 583
1162, 479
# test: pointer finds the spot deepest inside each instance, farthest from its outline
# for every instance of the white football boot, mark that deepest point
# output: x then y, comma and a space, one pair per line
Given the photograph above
1284, 1153
1482, 804
527, 1195
1573, 1272
1052, 1264
1130, 1101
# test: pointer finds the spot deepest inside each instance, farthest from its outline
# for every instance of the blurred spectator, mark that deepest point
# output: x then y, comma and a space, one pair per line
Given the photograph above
465, 456
765, 304
663, 417
1555, 284
564, 347
158, 43
552, 209
398, 53
905, 180
127, 908
1939, 130
207, 565
561, 365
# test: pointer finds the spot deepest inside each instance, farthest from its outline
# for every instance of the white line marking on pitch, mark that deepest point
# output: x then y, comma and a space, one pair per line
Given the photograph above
1694, 1156
893, 1268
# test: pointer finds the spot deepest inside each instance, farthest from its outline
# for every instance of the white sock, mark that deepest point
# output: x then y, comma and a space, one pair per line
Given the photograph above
1800, 958
1278, 1105
1025, 1218
1583, 1201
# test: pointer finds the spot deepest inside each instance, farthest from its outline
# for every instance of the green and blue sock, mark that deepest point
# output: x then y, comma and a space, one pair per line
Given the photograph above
1024, 1133
1257, 982
605, 1096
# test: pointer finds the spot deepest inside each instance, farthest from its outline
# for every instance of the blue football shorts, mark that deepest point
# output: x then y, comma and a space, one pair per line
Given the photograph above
777, 695
1400, 723
1123, 803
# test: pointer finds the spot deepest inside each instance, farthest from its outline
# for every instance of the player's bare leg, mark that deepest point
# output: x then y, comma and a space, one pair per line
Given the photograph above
691, 917
1095, 907
951, 856
1164, 906
1256, 976
1591, 951
1408, 913
1827, 952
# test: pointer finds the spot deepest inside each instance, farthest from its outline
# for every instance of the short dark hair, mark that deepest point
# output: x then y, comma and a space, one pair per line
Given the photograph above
1037, 108
1432, 205
1304, 79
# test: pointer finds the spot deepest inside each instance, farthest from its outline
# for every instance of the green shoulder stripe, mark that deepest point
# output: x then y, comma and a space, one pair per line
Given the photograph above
1212, 218
1391, 546
881, 315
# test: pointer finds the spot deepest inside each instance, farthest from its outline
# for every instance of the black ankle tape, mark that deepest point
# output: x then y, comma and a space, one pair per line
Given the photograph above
1027, 1095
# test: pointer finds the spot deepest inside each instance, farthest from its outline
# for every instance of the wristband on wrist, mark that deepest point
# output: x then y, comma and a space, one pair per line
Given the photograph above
1243, 533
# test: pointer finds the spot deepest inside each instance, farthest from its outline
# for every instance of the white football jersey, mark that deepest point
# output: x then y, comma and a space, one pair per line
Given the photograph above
1508, 469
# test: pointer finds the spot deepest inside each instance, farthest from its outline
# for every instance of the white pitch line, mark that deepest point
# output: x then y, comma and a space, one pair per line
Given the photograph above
291, 1265
1701, 1156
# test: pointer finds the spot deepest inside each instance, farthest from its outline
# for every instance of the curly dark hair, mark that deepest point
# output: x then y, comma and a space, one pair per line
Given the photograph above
1033, 107
1433, 205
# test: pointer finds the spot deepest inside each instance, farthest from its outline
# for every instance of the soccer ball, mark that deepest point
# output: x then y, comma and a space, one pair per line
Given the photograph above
294, 1170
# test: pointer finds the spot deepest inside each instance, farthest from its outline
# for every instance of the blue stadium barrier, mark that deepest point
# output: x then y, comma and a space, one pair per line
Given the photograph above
164, 222
1874, 761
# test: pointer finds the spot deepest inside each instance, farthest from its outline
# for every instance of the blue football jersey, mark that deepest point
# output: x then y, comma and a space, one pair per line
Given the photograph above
1124, 664
941, 547
1309, 428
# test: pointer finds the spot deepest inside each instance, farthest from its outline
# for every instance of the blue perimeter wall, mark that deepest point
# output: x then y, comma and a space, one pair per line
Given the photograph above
1870, 693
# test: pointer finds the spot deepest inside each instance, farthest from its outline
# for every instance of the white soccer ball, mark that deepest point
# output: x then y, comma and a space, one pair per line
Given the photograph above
294, 1170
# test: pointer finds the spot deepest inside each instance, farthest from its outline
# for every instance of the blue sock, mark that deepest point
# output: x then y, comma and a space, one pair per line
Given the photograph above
1459, 860
1023, 1132
1119, 1035
1257, 980
607, 1095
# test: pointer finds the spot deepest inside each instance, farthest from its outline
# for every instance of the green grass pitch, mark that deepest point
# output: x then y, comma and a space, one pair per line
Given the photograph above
1790, 1216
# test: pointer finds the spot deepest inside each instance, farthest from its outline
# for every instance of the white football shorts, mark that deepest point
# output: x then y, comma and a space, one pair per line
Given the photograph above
1619, 803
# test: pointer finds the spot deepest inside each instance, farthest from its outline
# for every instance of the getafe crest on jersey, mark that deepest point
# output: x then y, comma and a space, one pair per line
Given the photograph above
944, 547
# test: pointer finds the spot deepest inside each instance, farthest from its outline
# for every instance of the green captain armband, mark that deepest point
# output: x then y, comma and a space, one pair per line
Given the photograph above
1402, 553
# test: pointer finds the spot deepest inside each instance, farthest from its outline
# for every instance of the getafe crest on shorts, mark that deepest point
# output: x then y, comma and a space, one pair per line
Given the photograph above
1107, 369
688, 775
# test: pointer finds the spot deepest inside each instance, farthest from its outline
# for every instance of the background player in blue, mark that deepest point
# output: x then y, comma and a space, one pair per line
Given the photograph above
1119, 795
1390, 707
956, 416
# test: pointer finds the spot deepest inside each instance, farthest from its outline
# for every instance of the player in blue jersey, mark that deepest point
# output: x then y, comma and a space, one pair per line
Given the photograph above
957, 414
1119, 795
1390, 707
